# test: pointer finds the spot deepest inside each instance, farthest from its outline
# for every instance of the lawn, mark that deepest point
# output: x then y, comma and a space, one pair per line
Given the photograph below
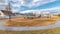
31, 22
23, 22
47, 31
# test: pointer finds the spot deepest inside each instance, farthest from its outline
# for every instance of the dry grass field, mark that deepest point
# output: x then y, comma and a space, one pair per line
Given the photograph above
47, 31
31, 22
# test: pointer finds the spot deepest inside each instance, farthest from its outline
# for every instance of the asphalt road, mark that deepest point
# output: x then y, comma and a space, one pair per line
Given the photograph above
2, 27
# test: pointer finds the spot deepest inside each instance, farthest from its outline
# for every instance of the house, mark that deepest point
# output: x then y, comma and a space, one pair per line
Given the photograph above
5, 14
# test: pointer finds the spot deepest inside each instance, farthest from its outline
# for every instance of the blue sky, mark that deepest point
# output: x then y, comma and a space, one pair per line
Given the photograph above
50, 5
22, 5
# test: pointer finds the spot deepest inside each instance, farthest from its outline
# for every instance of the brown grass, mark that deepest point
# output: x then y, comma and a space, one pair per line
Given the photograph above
31, 22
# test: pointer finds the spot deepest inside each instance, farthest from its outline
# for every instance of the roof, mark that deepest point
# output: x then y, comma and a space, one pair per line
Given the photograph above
7, 12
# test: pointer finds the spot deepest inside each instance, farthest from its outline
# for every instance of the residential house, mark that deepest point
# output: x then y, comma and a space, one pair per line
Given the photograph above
5, 14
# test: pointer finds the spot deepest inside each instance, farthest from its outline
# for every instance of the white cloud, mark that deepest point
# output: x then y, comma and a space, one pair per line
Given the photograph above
35, 3
56, 9
32, 11
32, 3
29, 3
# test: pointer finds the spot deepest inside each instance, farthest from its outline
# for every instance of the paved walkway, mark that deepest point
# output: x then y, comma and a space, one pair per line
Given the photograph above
2, 27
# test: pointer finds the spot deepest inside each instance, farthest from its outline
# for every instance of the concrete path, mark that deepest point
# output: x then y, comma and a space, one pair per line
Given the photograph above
2, 27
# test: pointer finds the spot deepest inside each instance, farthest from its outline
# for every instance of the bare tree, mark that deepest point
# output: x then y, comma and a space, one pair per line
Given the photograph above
8, 8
